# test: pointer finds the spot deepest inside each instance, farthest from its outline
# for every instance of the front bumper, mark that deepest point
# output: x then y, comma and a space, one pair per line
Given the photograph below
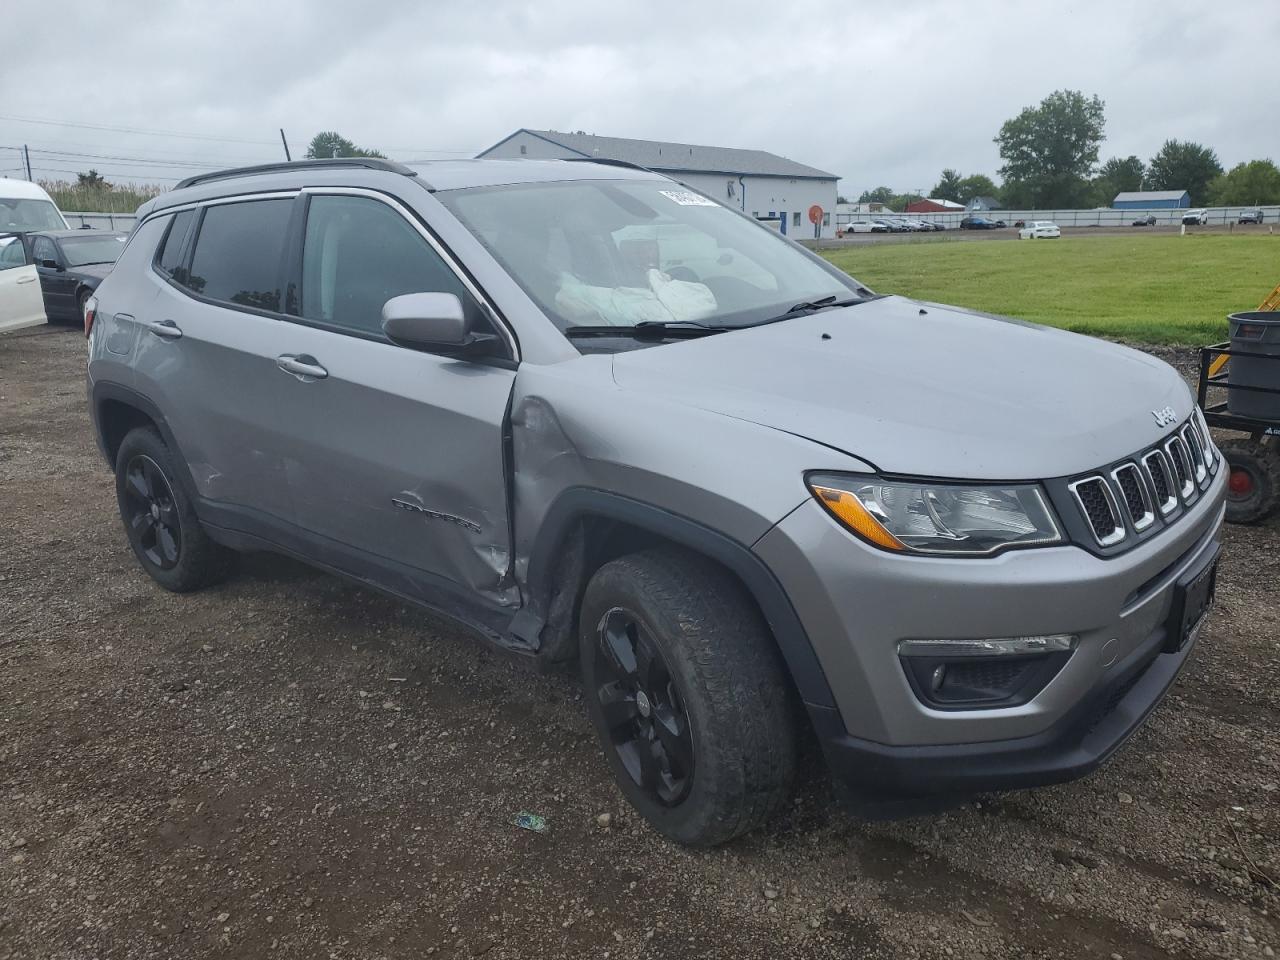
856, 603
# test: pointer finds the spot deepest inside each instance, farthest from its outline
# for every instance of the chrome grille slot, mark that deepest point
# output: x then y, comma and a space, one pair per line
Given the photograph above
1182, 469
1134, 494
1206, 441
1160, 474
1099, 507
1191, 436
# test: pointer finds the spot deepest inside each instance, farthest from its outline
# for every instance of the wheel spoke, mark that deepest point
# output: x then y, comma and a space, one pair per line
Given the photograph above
619, 706
673, 734
154, 479
141, 524
618, 644
168, 514
649, 666
167, 543
135, 482
649, 753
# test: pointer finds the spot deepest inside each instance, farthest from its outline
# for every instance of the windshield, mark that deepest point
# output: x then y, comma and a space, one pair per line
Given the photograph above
620, 253
79, 251
18, 215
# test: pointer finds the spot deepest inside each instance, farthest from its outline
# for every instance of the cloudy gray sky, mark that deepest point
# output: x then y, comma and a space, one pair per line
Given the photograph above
877, 92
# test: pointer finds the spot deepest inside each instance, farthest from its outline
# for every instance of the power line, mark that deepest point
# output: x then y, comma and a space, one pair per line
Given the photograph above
81, 145
142, 161
133, 130
130, 174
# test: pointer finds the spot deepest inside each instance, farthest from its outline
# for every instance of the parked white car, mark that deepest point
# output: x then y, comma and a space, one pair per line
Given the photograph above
24, 207
1197, 217
860, 226
1039, 230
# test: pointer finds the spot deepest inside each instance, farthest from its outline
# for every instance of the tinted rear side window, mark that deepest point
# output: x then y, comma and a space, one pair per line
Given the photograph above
238, 252
171, 249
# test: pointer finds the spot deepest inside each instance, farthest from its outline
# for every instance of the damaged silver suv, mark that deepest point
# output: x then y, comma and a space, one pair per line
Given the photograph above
608, 421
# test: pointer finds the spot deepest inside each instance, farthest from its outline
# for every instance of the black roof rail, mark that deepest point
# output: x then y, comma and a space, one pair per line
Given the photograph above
366, 163
608, 162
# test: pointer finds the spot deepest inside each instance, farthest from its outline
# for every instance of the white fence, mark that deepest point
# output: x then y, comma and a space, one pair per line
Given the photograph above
100, 221
1077, 218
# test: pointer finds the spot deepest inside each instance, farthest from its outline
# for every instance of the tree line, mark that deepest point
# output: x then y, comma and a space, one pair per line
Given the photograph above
1050, 161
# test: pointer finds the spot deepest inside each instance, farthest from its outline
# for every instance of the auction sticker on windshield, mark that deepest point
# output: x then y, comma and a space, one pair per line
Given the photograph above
687, 198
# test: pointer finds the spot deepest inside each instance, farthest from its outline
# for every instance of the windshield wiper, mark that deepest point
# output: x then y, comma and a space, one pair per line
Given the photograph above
822, 303
649, 330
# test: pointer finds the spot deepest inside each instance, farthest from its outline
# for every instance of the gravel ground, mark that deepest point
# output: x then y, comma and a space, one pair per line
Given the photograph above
290, 766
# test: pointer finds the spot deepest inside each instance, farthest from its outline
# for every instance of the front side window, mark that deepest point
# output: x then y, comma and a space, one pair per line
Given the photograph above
357, 255
622, 252
238, 252
42, 249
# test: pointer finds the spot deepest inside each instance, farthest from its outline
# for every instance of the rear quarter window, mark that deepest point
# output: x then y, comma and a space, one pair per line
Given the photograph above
168, 256
238, 253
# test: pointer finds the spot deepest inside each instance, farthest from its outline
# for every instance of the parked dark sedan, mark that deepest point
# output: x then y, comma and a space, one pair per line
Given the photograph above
71, 264
1250, 216
1147, 221
977, 223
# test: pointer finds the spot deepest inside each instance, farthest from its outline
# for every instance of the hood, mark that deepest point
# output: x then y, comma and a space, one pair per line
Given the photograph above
93, 271
924, 389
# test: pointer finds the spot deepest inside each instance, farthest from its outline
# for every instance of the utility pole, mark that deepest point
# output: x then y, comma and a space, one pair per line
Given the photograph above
286, 144
26, 158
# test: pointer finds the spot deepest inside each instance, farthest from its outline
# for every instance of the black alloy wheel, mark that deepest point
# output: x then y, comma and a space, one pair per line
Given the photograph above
647, 721
151, 513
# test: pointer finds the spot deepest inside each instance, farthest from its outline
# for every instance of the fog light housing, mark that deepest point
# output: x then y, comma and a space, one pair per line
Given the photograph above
971, 674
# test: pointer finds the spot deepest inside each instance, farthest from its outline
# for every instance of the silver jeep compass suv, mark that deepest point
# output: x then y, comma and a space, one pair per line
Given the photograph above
606, 420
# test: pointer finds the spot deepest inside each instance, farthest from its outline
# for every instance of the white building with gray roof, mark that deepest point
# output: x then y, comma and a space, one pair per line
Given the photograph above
756, 182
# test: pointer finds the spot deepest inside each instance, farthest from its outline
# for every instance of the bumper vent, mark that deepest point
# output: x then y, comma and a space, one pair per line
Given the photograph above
1151, 486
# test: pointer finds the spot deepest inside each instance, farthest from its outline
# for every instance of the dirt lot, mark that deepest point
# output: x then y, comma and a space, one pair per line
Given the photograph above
289, 766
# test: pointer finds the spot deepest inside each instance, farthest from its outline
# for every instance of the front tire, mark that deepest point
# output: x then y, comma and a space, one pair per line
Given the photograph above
159, 518
1253, 487
688, 694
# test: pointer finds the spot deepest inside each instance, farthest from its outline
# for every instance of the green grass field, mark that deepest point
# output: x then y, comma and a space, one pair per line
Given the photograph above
1165, 289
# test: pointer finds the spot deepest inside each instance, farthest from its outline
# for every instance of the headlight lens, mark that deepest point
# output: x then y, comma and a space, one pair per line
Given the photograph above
938, 518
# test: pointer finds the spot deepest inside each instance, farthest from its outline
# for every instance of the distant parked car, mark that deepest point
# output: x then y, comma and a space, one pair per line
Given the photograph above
1147, 221
882, 226
1000, 224
1250, 216
1039, 230
860, 226
71, 264
1198, 217
977, 223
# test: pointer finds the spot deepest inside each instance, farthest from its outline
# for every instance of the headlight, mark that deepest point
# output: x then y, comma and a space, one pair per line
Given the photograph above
938, 518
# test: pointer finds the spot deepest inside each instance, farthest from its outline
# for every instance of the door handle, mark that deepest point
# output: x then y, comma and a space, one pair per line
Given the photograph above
26, 279
165, 329
303, 366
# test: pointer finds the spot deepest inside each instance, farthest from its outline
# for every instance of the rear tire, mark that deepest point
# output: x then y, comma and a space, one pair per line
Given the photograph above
160, 519
688, 694
1253, 487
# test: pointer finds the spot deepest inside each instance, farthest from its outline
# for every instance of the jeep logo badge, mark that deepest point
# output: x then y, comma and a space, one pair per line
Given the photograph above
1164, 417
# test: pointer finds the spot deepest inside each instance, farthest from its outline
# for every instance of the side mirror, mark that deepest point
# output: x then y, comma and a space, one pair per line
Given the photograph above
434, 322
51, 264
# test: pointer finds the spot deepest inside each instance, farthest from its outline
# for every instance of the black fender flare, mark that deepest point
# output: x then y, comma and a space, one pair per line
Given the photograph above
103, 391
581, 503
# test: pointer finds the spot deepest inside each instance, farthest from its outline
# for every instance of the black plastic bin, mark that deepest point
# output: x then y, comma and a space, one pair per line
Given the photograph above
1256, 332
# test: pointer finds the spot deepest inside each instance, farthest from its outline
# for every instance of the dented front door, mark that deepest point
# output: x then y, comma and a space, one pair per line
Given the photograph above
396, 457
